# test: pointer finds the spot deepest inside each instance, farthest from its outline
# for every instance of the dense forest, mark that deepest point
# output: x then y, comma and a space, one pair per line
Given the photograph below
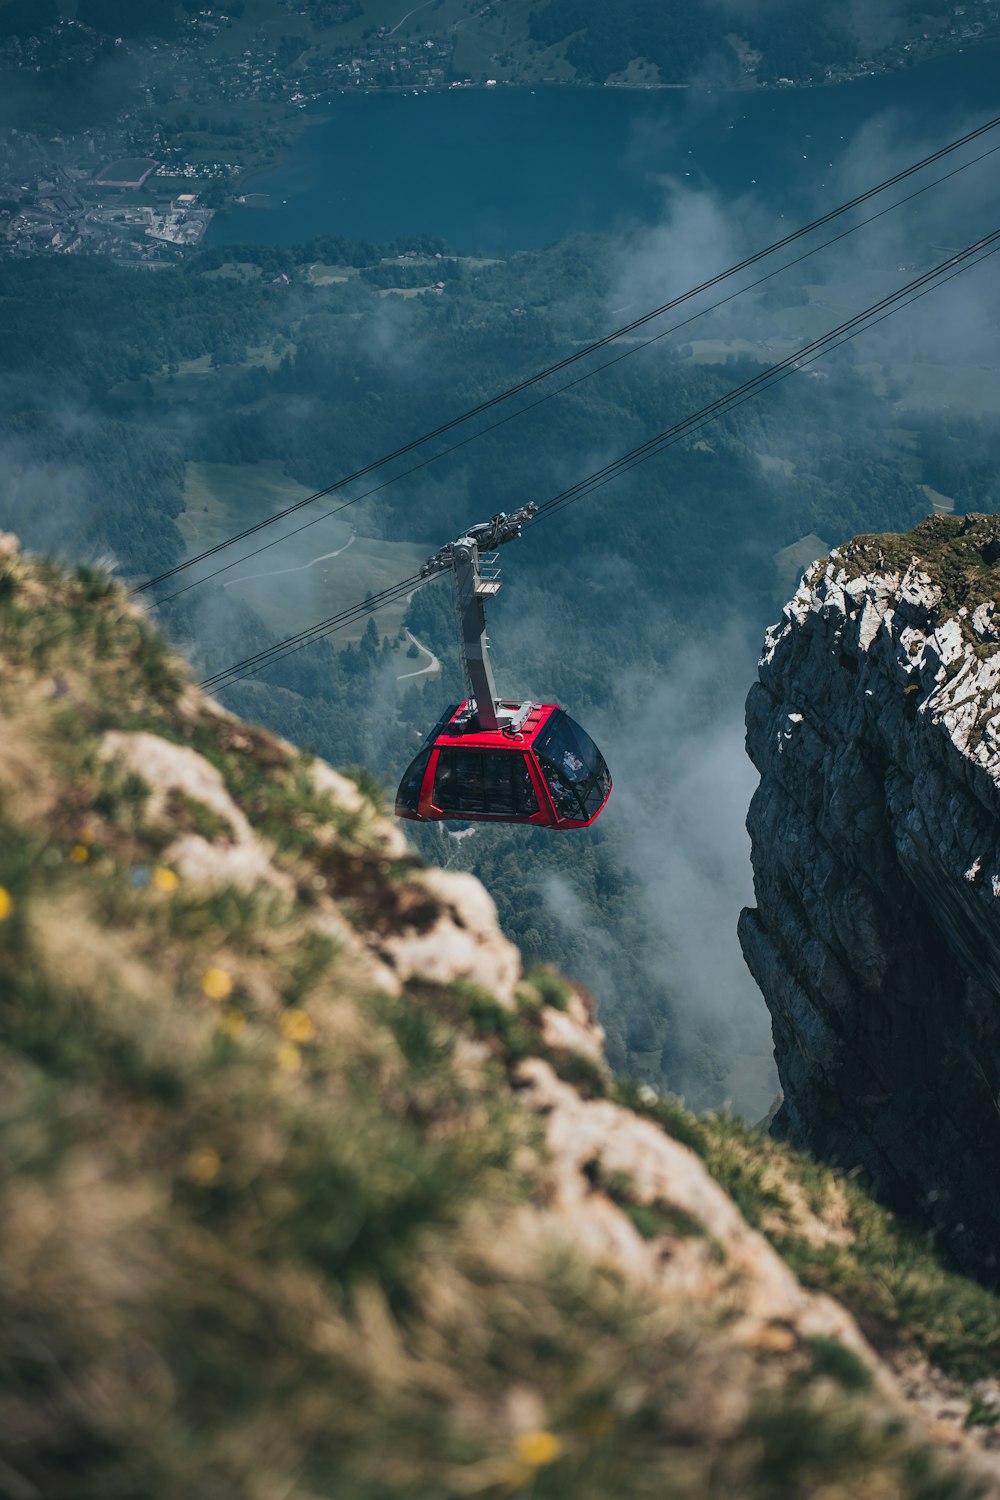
681, 39
696, 41
641, 609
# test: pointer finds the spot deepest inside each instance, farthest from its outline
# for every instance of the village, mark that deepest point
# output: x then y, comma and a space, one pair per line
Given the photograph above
71, 196
143, 187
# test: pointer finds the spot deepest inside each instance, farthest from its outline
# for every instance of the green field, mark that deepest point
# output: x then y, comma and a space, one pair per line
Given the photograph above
295, 583
188, 380
126, 169
943, 505
234, 270
321, 274
791, 562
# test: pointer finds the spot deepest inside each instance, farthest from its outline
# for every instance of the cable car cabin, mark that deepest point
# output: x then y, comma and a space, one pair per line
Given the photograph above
489, 761
540, 768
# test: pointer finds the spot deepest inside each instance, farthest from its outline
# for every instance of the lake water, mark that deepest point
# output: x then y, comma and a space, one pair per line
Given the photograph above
499, 170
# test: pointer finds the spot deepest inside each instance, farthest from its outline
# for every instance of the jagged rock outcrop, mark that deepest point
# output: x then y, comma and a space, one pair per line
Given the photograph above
875, 726
307, 1190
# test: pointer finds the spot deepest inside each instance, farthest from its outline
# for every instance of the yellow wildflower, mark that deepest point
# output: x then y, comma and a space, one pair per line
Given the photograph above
6, 903
165, 880
289, 1058
231, 1022
538, 1448
202, 1165
296, 1026
216, 984
79, 854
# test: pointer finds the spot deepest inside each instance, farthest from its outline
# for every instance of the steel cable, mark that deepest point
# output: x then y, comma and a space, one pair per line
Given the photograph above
885, 307
570, 359
560, 390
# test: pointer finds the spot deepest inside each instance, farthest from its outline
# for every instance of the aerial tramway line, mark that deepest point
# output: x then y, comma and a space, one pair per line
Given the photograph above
581, 354
546, 735
498, 760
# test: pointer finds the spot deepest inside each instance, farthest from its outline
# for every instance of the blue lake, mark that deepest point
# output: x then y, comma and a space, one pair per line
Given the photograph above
499, 170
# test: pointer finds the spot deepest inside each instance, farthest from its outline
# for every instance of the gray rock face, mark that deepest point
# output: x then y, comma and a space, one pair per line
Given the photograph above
875, 726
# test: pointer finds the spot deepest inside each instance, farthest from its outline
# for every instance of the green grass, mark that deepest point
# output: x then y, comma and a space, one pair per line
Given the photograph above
888, 1273
651, 1220
288, 589
234, 270
949, 547
930, 386
321, 274
830, 1357
266, 1229
551, 987
942, 504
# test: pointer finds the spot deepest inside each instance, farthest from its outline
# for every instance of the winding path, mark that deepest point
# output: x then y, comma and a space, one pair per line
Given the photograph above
301, 568
433, 665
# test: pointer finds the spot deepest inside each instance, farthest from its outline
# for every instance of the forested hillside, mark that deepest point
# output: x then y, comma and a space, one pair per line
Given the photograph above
582, 41
141, 416
785, 40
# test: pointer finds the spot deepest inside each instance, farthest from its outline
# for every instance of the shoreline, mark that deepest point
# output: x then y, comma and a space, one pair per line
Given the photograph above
947, 67
749, 87
304, 116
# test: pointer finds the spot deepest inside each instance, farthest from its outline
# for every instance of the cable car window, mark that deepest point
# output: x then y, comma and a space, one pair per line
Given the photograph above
509, 788
491, 784
408, 795
458, 784
574, 768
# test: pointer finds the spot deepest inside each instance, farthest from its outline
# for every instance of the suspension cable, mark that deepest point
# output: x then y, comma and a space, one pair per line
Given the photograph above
578, 380
989, 246
570, 359
334, 622
919, 287
806, 354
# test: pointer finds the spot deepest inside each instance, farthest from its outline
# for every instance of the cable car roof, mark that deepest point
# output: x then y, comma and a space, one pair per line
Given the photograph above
459, 727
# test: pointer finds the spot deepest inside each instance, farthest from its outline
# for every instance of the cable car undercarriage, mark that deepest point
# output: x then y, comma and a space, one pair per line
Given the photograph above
488, 759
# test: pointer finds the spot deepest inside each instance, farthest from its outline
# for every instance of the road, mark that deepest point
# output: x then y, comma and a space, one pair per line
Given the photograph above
433, 665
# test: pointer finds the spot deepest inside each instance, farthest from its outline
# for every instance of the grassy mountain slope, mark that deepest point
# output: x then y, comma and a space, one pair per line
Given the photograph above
308, 1191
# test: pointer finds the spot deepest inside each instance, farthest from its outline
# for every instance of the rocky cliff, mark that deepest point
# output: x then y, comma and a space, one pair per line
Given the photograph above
307, 1190
875, 726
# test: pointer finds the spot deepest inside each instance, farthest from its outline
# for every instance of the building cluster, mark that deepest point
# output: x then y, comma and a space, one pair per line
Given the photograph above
69, 45
203, 171
255, 75
385, 63
378, 62
80, 195
972, 21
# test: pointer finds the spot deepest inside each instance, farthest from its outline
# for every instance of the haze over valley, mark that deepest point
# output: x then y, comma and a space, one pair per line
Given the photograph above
370, 1145
429, 254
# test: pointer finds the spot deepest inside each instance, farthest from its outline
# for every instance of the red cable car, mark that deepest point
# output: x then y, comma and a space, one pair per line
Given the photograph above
489, 760
541, 767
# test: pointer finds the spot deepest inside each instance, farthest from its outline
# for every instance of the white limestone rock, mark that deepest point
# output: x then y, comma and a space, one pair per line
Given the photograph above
875, 726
